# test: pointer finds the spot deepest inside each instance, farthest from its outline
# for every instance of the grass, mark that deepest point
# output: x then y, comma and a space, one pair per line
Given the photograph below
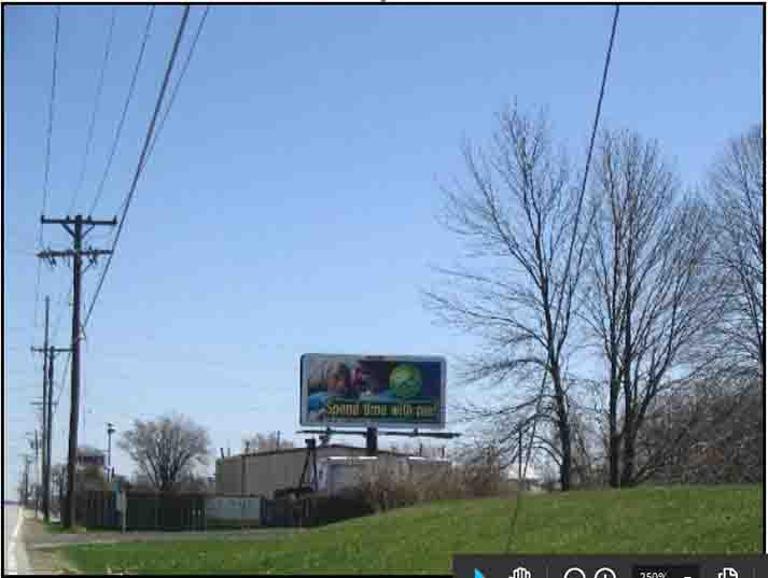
422, 539
57, 528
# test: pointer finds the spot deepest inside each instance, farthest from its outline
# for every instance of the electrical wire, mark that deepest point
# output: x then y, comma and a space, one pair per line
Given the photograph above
595, 123
134, 182
121, 123
172, 98
175, 89
132, 189
83, 396
47, 169
51, 100
92, 124
141, 163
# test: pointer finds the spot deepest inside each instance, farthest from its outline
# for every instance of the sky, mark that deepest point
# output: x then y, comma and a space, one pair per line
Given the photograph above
290, 204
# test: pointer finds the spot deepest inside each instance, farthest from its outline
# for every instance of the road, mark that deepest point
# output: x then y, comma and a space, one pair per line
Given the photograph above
15, 556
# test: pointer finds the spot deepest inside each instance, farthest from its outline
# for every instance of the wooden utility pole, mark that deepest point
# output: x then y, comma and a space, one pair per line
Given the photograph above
34, 444
48, 425
25, 494
46, 433
47, 402
38, 475
74, 226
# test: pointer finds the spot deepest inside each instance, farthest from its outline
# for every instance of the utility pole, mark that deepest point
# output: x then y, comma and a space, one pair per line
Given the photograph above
25, 494
74, 226
46, 432
48, 424
47, 402
34, 445
37, 470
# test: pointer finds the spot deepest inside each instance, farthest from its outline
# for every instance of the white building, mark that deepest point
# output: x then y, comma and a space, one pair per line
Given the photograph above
338, 467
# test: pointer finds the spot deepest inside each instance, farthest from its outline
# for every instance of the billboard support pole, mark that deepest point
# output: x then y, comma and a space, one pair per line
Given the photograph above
371, 441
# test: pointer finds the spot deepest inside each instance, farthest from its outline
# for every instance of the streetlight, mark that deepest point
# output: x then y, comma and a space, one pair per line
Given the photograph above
110, 431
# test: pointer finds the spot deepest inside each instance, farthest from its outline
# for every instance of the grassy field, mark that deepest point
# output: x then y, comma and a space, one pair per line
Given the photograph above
422, 539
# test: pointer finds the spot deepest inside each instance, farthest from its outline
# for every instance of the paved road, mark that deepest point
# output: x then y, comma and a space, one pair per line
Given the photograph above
15, 558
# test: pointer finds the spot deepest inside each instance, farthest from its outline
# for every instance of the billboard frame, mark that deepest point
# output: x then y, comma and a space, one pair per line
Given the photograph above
373, 424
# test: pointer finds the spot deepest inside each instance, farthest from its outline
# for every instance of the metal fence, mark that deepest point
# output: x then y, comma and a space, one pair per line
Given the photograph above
176, 512
165, 512
312, 510
144, 511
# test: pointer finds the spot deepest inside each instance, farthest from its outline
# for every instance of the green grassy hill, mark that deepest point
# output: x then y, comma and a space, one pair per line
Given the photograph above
690, 520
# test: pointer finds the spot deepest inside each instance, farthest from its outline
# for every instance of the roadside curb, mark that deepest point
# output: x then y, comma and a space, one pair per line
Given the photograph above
38, 560
18, 562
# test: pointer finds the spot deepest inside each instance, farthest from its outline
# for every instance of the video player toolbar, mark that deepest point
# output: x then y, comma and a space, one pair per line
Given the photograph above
629, 566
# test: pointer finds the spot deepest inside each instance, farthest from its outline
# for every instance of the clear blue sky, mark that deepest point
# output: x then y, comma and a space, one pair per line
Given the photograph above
290, 203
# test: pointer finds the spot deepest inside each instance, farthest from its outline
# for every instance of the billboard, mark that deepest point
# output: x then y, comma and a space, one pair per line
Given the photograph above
372, 390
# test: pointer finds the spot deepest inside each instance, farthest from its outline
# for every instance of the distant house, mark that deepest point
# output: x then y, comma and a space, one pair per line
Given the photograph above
531, 478
90, 468
90, 457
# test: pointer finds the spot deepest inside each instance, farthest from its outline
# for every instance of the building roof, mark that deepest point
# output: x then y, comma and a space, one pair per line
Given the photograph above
356, 449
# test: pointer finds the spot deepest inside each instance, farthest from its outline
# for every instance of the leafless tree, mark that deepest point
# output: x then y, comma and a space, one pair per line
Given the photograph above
520, 217
709, 430
648, 294
417, 449
738, 189
167, 449
266, 443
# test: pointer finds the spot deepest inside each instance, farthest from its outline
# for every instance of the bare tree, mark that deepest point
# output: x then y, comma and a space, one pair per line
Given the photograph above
520, 216
167, 449
648, 294
709, 430
738, 188
266, 443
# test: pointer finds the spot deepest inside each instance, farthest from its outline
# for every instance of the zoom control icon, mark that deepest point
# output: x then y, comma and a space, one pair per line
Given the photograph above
520, 572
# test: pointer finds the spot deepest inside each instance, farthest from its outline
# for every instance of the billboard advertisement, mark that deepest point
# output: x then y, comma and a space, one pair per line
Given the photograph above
372, 390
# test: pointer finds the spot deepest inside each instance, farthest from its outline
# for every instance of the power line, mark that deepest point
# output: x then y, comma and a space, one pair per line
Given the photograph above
47, 170
123, 115
141, 163
51, 101
175, 89
595, 124
96, 99
137, 174
114, 145
61, 382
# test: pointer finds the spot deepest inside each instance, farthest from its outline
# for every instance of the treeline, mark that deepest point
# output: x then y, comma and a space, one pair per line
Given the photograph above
621, 315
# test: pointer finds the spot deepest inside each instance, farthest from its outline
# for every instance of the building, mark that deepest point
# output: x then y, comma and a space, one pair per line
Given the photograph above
90, 457
337, 473
338, 467
532, 479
